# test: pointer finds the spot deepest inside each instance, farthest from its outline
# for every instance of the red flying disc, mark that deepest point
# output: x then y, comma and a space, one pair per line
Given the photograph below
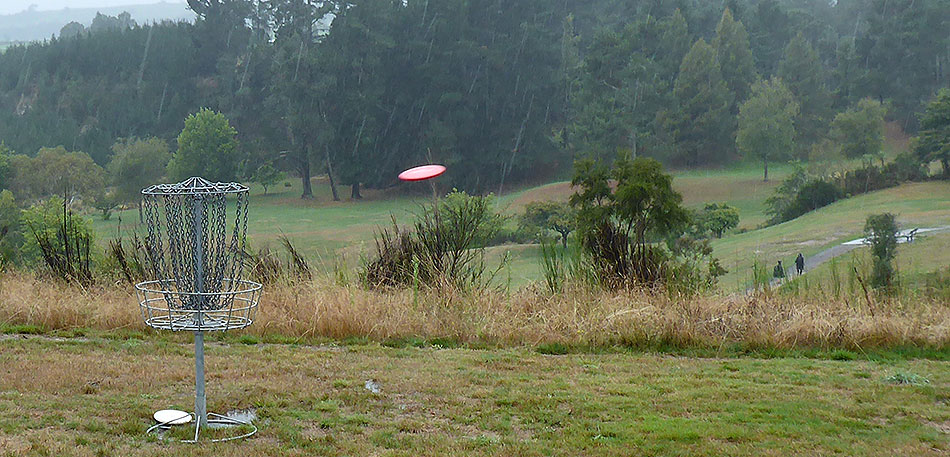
422, 173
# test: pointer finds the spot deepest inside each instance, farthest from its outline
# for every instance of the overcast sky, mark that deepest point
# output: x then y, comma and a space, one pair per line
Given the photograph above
15, 6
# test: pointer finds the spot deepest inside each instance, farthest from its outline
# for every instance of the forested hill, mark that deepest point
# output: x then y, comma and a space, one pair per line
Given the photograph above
500, 91
32, 25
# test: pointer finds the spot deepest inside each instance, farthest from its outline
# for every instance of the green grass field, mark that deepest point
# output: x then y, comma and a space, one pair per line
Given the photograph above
95, 397
335, 234
914, 262
916, 205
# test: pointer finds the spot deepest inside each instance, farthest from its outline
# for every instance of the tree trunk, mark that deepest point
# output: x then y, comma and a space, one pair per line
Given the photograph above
355, 192
336, 196
305, 179
766, 162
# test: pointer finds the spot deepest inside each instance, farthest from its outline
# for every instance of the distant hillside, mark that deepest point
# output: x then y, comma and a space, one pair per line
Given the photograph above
41, 25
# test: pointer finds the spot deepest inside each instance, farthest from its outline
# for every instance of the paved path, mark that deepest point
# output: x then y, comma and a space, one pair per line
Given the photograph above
814, 261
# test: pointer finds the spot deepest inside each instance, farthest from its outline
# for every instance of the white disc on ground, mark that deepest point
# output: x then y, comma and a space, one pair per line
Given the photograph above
172, 417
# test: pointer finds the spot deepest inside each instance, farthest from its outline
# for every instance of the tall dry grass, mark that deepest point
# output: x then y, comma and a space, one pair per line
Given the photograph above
577, 316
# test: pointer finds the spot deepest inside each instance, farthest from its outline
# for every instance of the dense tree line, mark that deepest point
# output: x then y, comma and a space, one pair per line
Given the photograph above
498, 91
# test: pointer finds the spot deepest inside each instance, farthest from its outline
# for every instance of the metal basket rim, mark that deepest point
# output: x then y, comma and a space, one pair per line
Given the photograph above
250, 287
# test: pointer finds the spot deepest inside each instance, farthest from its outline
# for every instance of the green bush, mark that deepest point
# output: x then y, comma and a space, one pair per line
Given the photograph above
444, 247
813, 195
623, 227
60, 239
488, 223
11, 229
880, 231
540, 218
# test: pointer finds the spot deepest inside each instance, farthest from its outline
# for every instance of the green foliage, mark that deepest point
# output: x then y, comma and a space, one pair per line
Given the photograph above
11, 230
267, 175
801, 71
735, 56
105, 202
860, 130
933, 143
56, 171
811, 196
136, 164
717, 218
880, 231
871, 177
457, 205
59, 238
207, 147
5, 168
617, 225
549, 215
444, 247
490, 88
766, 123
624, 80
701, 124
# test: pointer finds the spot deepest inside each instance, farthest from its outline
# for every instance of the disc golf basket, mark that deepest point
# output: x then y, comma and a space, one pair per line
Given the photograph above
194, 262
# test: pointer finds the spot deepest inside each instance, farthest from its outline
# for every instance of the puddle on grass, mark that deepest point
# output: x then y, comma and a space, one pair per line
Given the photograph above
243, 415
372, 386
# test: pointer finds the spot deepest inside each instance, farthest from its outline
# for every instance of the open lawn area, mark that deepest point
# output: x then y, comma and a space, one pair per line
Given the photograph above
95, 397
339, 234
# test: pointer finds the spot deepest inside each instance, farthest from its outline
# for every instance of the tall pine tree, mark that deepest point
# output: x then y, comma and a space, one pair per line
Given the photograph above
802, 73
701, 125
735, 57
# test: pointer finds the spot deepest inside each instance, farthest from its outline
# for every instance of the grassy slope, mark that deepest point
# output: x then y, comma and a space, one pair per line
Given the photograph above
96, 397
918, 204
343, 232
926, 254
739, 186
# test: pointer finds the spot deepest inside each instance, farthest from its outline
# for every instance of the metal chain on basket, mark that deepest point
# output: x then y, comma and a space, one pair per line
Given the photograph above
185, 230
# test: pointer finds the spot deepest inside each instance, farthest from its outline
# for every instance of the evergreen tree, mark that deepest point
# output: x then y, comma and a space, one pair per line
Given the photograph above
934, 140
701, 125
802, 73
674, 43
5, 170
770, 29
850, 75
766, 123
735, 57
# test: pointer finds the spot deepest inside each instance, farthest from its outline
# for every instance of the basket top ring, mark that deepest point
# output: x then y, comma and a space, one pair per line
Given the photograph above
196, 186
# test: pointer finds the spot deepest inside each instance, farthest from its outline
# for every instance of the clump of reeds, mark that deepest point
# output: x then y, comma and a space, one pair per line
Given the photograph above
66, 251
442, 248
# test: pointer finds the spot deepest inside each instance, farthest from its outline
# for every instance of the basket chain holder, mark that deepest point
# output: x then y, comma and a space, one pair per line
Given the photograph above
195, 273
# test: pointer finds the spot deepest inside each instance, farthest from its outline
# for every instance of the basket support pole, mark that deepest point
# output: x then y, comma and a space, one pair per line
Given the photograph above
201, 407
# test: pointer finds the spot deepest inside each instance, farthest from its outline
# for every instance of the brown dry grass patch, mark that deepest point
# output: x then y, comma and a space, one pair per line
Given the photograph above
579, 316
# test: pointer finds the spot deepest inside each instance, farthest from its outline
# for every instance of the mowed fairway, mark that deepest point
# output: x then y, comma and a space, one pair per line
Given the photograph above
340, 234
95, 397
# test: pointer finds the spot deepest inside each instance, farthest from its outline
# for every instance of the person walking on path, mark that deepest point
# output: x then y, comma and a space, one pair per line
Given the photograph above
779, 271
800, 264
